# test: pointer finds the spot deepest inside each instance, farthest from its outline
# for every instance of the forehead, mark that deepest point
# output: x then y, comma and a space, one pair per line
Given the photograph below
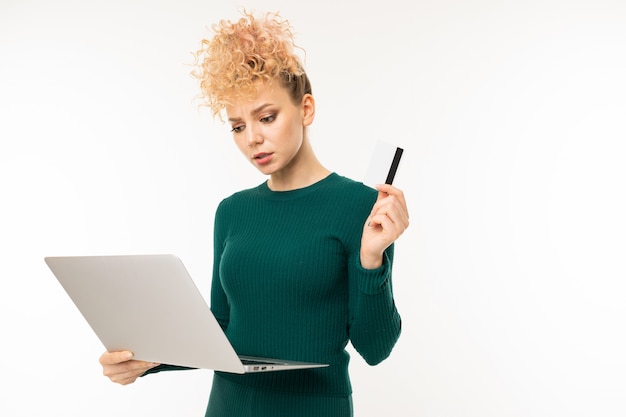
265, 94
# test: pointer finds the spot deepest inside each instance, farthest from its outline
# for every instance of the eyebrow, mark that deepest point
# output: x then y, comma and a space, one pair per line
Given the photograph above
255, 111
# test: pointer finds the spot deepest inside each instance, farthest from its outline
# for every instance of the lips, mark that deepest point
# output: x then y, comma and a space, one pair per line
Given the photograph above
262, 158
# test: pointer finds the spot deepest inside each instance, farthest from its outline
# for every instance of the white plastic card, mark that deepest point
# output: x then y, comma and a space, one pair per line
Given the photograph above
383, 164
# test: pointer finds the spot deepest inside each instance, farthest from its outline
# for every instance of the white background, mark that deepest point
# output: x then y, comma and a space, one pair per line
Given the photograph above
510, 279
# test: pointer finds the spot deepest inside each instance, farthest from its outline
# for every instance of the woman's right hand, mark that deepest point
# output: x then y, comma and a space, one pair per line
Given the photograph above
120, 367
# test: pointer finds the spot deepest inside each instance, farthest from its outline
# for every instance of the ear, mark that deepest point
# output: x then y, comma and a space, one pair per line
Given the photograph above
308, 109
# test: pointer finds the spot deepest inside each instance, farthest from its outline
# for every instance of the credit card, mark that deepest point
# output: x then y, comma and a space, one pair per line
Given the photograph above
383, 165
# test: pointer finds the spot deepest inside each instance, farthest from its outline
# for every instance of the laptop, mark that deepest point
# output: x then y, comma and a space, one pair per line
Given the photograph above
150, 305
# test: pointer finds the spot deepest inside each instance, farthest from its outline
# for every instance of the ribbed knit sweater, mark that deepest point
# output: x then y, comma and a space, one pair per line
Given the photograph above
288, 283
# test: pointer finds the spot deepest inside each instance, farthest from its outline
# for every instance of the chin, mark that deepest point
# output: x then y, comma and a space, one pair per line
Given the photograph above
265, 170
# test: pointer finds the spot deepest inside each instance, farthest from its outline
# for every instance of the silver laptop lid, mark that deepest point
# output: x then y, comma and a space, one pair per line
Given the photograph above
147, 304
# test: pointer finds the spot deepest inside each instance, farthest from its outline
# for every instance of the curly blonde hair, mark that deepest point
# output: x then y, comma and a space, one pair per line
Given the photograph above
242, 53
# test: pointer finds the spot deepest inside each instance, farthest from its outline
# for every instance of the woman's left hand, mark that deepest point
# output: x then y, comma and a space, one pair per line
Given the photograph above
388, 219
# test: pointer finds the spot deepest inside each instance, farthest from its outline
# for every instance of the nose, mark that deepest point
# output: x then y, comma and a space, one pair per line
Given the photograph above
254, 136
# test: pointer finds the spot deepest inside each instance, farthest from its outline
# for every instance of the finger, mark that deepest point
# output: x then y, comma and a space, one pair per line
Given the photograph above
385, 230
388, 220
110, 358
398, 213
390, 190
390, 194
128, 369
126, 377
393, 208
382, 203
397, 217
125, 381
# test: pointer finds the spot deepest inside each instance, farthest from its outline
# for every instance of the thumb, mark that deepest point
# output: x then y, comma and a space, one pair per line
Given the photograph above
381, 194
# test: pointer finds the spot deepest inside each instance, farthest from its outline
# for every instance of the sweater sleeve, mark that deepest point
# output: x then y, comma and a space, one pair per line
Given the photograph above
219, 301
374, 322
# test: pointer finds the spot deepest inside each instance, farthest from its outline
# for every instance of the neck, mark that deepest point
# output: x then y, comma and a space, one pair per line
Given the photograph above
304, 170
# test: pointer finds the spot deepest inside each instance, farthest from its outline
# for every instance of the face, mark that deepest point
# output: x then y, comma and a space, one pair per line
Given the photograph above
270, 129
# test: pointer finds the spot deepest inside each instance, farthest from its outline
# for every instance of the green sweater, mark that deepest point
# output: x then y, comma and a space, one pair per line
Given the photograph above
287, 283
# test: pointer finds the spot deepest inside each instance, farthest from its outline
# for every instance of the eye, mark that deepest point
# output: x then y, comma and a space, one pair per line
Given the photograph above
268, 119
237, 128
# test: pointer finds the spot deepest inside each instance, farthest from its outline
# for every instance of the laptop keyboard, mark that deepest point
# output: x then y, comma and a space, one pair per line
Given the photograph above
253, 362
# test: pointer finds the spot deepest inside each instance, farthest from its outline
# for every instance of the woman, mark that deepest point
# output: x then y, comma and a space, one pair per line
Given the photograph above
302, 262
